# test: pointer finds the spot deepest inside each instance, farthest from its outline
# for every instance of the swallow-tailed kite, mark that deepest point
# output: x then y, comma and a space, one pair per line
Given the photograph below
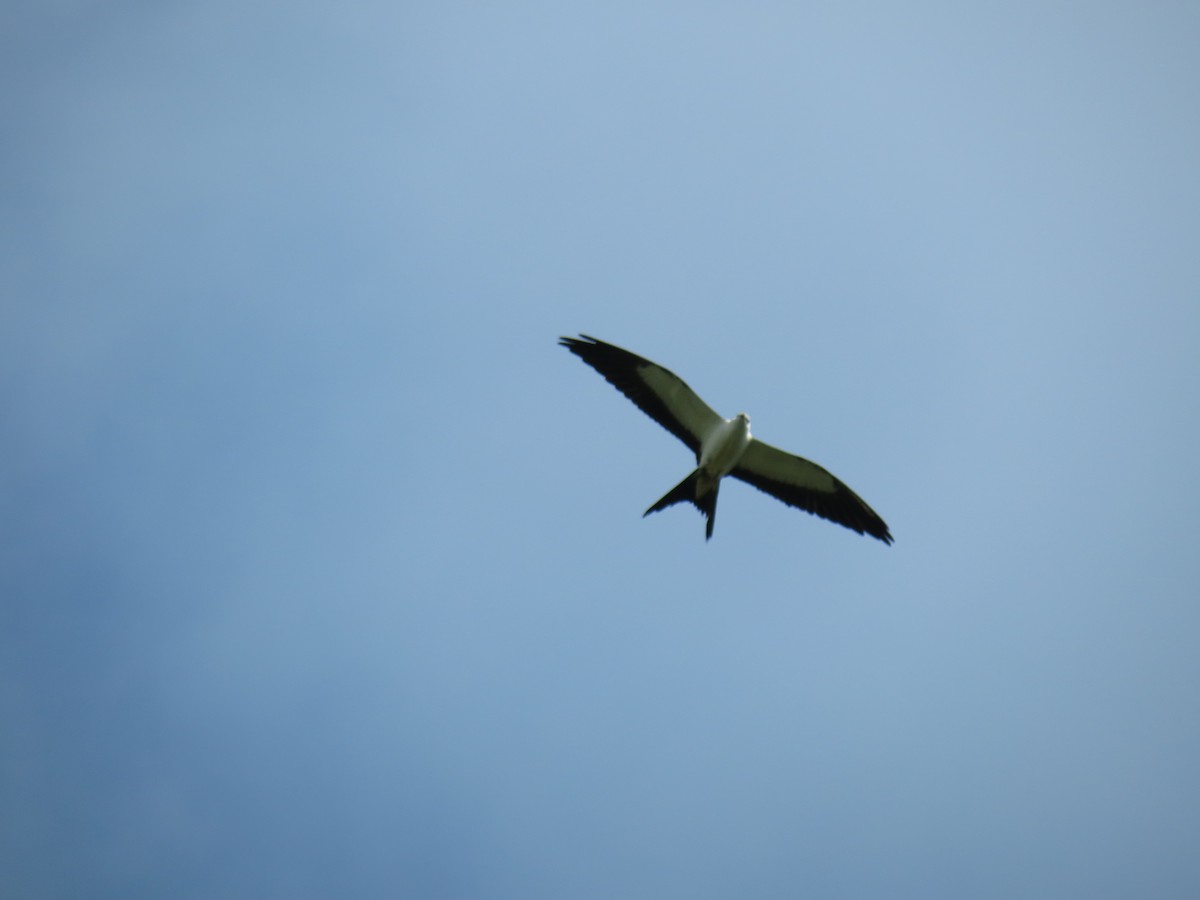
723, 446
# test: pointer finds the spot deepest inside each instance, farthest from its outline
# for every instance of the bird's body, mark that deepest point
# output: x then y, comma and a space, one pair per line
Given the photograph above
720, 449
723, 446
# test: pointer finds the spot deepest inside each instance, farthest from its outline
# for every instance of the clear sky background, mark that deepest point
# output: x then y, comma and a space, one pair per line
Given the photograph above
322, 566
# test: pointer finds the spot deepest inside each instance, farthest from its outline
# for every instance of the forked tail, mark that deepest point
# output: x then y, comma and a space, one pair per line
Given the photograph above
697, 491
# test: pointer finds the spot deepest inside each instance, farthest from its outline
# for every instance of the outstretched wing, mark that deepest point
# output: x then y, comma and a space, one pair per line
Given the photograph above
658, 392
805, 485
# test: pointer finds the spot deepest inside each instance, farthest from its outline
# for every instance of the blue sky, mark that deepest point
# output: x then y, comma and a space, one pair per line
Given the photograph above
323, 570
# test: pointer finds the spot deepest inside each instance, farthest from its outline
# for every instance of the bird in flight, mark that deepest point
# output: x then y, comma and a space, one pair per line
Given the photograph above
723, 446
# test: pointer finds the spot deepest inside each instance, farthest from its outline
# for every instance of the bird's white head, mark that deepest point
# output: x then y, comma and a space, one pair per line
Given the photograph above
744, 421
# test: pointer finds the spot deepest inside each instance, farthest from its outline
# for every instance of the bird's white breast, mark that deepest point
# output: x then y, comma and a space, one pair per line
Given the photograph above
724, 445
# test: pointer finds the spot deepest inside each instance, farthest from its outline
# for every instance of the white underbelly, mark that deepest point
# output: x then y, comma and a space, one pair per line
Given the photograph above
724, 446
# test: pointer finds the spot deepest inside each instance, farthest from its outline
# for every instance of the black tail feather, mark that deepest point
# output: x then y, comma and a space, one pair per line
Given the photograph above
708, 505
687, 491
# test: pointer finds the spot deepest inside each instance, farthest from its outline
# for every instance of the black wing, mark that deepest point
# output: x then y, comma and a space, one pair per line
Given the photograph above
658, 392
805, 485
